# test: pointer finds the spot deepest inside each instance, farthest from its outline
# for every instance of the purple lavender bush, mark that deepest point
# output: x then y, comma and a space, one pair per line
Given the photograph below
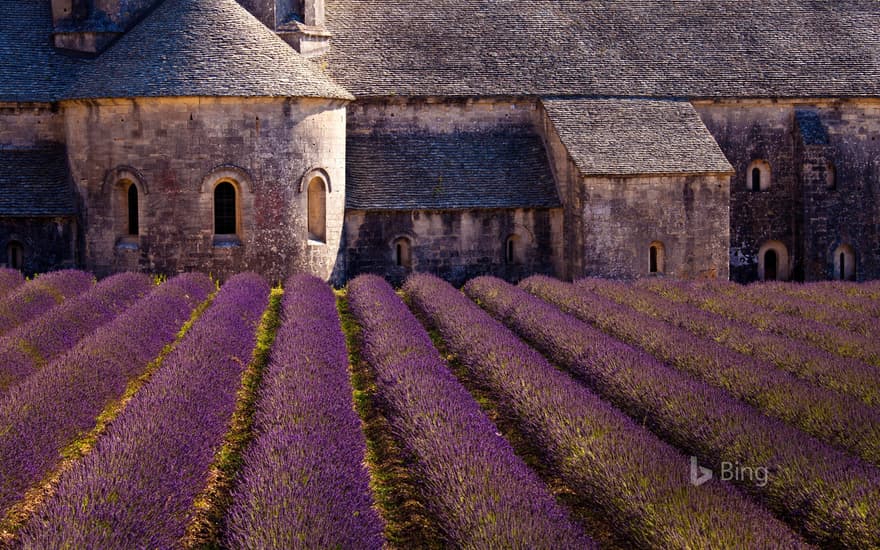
303, 482
711, 297
136, 488
481, 492
61, 401
841, 296
819, 367
829, 495
36, 297
31, 345
10, 279
825, 414
640, 483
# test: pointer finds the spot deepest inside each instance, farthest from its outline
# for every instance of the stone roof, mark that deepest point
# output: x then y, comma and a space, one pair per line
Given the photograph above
635, 137
30, 68
202, 48
414, 171
35, 183
638, 48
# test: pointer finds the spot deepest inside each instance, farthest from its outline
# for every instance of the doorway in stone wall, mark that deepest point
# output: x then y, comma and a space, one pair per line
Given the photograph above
771, 265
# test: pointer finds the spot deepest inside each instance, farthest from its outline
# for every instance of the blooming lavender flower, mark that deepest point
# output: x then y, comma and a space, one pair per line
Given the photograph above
10, 279
828, 415
36, 297
61, 401
303, 482
621, 467
136, 488
831, 371
830, 495
483, 494
33, 344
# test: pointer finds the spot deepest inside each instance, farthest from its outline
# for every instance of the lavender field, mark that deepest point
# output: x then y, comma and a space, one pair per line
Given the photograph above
137, 413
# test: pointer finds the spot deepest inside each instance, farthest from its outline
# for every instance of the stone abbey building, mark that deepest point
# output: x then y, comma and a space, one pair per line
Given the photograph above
620, 138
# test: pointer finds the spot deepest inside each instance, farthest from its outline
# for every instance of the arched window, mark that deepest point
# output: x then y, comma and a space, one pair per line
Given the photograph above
657, 257
830, 177
133, 213
773, 262
317, 197
403, 253
845, 263
225, 209
759, 176
511, 252
15, 254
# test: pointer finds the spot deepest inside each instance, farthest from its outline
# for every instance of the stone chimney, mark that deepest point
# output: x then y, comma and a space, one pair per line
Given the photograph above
299, 22
90, 26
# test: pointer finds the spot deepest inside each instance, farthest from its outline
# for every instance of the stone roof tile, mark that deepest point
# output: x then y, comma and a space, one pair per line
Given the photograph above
414, 171
35, 183
635, 136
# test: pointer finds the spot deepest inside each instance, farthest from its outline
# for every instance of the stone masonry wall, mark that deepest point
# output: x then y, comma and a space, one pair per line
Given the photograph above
455, 244
48, 243
26, 125
688, 214
176, 150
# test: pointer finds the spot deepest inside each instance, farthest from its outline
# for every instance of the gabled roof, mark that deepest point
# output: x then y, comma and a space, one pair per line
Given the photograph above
635, 48
416, 171
625, 137
30, 68
202, 48
35, 183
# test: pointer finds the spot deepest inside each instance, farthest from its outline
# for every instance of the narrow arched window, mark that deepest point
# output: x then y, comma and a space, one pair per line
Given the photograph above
510, 250
656, 257
756, 179
317, 197
771, 265
403, 253
845, 263
830, 177
133, 217
225, 209
759, 176
15, 255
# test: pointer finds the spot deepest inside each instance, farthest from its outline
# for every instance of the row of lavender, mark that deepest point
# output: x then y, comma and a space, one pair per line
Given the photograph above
480, 492
845, 375
32, 345
27, 301
137, 487
303, 482
58, 403
640, 483
846, 423
719, 299
830, 495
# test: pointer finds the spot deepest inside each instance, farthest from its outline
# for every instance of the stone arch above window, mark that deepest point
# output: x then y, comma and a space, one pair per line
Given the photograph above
844, 260
759, 176
657, 258
401, 251
239, 177
125, 174
773, 262
310, 176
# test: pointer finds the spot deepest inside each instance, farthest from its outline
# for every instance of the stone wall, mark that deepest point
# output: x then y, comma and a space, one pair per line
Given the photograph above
689, 215
48, 243
24, 125
456, 245
176, 150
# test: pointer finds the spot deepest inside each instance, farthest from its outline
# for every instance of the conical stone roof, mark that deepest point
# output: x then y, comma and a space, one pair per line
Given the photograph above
202, 48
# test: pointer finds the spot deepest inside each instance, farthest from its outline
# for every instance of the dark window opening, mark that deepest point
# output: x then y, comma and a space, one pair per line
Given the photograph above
654, 260
842, 266
756, 179
403, 253
225, 215
830, 177
133, 220
510, 250
15, 255
770, 265
317, 208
